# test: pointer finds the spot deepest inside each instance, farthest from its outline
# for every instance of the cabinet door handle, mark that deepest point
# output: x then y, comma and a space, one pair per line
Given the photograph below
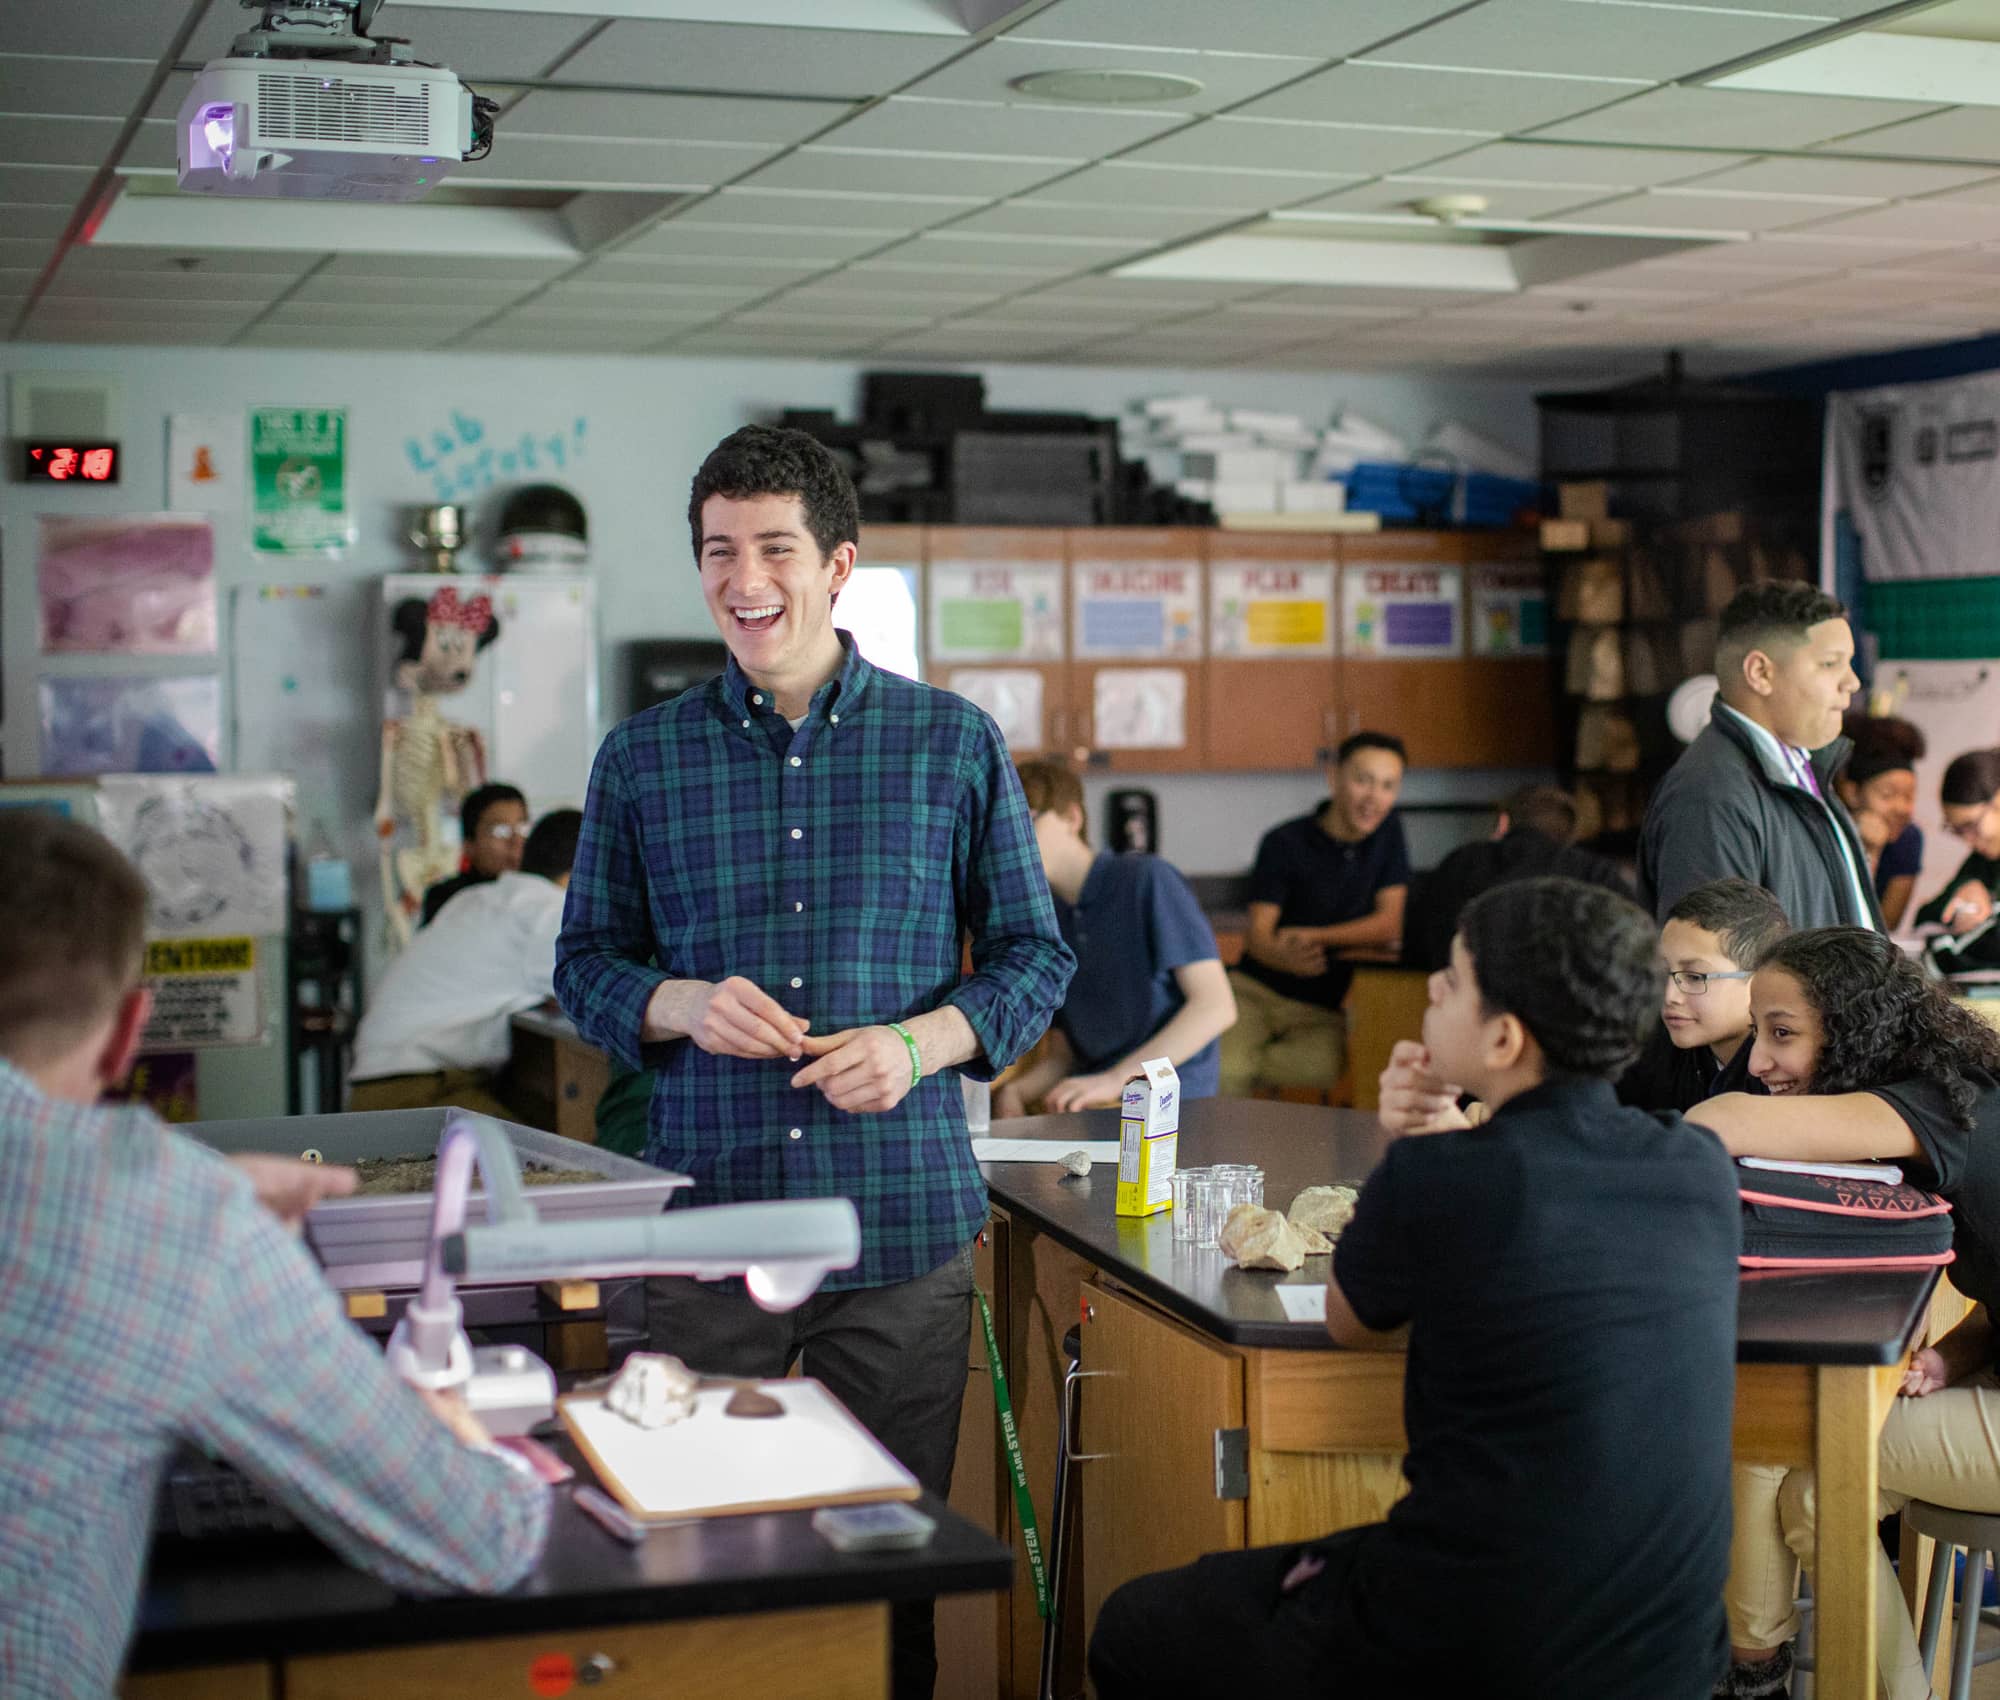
1073, 1408
1058, 727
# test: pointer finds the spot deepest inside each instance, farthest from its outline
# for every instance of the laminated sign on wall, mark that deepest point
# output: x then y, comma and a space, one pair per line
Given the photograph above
996, 611
1136, 610
1510, 611
210, 849
298, 481
1400, 612
205, 993
1270, 608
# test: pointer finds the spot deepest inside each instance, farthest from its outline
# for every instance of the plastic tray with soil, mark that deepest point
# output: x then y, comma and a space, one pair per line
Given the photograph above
384, 1176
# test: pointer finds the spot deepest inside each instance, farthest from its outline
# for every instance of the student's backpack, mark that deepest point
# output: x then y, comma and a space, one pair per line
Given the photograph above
1805, 1221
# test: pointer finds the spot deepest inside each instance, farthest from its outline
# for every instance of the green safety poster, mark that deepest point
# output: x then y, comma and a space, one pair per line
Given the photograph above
298, 481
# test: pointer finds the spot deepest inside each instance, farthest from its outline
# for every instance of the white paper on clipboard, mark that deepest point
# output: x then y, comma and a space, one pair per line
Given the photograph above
713, 1465
1012, 695
1139, 708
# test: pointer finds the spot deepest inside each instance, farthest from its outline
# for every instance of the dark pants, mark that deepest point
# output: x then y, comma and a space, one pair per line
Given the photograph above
894, 1356
1221, 1628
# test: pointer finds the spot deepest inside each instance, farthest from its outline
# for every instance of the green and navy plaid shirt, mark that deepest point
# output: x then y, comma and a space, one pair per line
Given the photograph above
146, 1297
836, 867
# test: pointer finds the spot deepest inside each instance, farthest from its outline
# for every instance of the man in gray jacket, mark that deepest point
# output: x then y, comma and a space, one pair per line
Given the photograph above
1753, 795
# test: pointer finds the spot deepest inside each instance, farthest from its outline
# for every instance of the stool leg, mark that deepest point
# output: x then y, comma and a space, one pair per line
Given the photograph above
1937, 1589
1969, 1596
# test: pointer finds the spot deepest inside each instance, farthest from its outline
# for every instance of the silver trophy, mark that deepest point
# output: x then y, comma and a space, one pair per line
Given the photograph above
440, 533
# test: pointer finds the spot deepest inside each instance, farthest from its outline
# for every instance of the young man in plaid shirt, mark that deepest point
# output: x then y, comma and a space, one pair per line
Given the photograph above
774, 877
152, 1294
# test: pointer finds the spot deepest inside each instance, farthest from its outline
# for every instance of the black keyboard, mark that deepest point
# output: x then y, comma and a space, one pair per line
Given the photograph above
201, 1499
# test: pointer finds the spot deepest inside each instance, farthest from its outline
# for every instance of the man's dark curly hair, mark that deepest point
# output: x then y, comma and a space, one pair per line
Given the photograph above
774, 460
1577, 964
1881, 1021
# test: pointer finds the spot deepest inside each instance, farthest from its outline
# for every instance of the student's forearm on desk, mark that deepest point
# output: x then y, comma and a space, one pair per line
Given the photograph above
1383, 925
1210, 1011
1844, 1127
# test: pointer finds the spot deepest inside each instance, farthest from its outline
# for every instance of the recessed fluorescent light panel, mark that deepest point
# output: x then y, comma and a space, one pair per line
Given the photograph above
1946, 54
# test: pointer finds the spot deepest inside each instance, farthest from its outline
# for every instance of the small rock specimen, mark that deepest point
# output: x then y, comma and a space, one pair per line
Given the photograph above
1077, 1162
1258, 1238
653, 1390
1327, 1208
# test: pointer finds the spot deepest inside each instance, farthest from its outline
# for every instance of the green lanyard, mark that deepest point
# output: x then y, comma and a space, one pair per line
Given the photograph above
1024, 1504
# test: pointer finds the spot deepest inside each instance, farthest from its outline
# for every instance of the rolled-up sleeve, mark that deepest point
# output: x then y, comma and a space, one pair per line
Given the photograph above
604, 957
298, 1399
1020, 966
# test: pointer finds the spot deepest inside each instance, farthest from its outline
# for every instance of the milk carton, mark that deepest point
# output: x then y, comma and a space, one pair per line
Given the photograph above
1149, 1126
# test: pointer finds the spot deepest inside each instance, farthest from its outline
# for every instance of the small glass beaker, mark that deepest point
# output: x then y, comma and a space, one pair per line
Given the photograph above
1182, 1182
1211, 1208
1244, 1181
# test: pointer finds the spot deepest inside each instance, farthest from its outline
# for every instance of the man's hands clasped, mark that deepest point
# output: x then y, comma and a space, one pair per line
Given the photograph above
861, 1070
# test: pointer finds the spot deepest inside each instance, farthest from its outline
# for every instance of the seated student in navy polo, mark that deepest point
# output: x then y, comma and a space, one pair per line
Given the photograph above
1148, 980
1567, 1274
1329, 881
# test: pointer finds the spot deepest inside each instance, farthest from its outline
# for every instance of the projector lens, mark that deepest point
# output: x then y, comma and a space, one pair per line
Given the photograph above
218, 127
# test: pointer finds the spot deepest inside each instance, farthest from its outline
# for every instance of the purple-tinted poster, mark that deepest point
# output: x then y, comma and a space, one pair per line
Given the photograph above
133, 585
163, 725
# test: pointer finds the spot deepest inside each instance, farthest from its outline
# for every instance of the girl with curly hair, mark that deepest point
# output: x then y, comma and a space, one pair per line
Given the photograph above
1863, 1057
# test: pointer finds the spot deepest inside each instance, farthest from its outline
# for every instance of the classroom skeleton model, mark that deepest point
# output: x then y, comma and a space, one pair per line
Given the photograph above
428, 762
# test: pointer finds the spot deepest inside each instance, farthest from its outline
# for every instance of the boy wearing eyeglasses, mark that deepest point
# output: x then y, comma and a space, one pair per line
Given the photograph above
1712, 940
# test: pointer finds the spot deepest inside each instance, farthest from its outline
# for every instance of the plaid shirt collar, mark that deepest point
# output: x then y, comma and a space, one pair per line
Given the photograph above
747, 700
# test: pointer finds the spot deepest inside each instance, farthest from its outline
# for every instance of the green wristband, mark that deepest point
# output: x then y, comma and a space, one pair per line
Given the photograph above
916, 1056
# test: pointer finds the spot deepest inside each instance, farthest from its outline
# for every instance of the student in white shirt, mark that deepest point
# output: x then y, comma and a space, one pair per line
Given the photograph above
436, 1031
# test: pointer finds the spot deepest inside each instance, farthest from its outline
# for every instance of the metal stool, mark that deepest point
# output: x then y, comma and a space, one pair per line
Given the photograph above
1978, 1533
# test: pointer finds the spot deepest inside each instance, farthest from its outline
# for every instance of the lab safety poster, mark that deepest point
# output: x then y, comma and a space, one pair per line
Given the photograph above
206, 993
1400, 613
299, 500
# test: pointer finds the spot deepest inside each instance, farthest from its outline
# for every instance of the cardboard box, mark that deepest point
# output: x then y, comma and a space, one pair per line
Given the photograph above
1584, 501
1149, 1130
1572, 535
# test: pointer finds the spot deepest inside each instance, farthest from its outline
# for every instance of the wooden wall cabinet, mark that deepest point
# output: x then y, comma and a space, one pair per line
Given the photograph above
1273, 692
996, 620
1137, 677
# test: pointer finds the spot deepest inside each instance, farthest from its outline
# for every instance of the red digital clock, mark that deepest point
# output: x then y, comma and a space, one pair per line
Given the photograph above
70, 463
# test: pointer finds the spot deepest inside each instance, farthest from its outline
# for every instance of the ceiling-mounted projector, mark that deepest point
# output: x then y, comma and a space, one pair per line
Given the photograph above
308, 106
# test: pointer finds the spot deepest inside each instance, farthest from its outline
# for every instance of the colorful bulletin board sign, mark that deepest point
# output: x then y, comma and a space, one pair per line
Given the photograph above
1510, 609
1270, 608
1401, 613
205, 993
1136, 611
996, 611
298, 481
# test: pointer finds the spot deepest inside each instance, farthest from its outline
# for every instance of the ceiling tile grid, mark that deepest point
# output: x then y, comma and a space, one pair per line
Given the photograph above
846, 191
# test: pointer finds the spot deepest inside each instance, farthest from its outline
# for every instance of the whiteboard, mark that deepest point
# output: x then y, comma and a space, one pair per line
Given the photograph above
711, 1465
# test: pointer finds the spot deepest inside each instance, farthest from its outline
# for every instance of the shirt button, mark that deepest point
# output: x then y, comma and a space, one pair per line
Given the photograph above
796, 762
757, 698
746, 723
796, 982
798, 1133
796, 833
798, 908
834, 718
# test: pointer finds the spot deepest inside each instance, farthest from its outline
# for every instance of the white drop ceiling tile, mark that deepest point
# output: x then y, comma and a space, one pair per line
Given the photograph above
483, 46
1575, 38
1822, 249
1985, 191
106, 28
1146, 294
33, 223
754, 59
1556, 164
167, 103
144, 287
1929, 221
929, 125
1731, 118
1675, 209
1270, 144
1972, 263
496, 269
42, 185
1033, 216
1964, 133
57, 141
350, 313
1496, 103
395, 292
665, 117
1823, 295
1503, 200
1019, 253
57, 305
967, 283
102, 88
1408, 300
1854, 179
731, 270
800, 210
533, 161
25, 253
860, 309
820, 247
133, 333
823, 168
1271, 26
1117, 184
990, 72
346, 338
277, 265
151, 147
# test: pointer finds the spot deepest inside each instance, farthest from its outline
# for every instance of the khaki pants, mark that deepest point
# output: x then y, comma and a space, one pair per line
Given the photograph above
473, 1089
1279, 1041
1945, 1449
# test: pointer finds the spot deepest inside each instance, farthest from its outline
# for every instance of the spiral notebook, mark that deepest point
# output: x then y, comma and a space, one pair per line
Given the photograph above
713, 1465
